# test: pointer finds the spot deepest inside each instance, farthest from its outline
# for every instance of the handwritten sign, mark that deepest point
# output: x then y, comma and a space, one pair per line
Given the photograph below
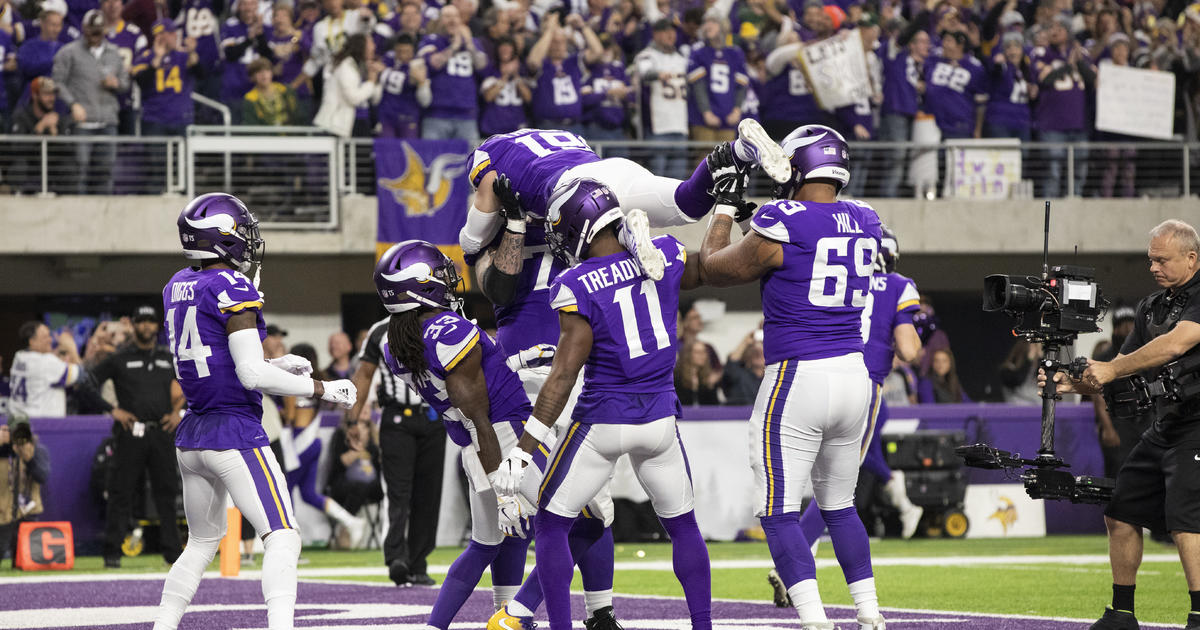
836, 68
1135, 102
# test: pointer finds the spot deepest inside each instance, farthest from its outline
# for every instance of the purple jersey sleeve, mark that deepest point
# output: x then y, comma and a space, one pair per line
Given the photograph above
892, 302
533, 159
629, 374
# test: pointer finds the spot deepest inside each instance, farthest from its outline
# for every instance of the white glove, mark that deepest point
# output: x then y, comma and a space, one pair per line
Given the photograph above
340, 392
535, 356
515, 512
292, 363
507, 478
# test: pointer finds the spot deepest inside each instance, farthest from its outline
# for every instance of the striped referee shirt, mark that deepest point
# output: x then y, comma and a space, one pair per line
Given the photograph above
392, 391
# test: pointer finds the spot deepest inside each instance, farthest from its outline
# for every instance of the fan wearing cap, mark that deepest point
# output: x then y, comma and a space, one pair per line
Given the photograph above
165, 74
814, 403
148, 404
44, 114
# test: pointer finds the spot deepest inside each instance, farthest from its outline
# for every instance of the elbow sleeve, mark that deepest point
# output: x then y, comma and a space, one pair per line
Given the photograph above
480, 229
498, 287
253, 372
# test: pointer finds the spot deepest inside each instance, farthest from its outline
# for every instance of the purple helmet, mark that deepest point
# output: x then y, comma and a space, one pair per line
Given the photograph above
816, 152
889, 251
575, 214
219, 225
415, 274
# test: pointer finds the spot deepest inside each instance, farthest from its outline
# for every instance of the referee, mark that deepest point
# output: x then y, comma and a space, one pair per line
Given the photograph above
148, 404
413, 445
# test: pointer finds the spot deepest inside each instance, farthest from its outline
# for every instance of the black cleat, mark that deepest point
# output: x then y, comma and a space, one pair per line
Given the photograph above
112, 562
1193, 622
602, 619
1116, 620
782, 599
422, 579
398, 572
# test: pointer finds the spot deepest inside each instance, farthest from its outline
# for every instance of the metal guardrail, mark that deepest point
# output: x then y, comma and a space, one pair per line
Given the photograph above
119, 165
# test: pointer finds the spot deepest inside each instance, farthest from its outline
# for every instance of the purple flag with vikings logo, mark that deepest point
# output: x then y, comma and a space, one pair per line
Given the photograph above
422, 190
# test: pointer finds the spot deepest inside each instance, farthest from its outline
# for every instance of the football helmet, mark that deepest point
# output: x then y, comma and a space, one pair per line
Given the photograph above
576, 213
889, 251
415, 274
219, 225
816, 152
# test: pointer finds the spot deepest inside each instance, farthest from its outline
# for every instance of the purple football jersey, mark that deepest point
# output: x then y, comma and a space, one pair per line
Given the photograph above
398, 106
721, 71
901, 73
296, 46
235, 81
1008, 95
813, 303
556, 94
952, 91
221, 413
629, 375
166, 90
533, 159
1061, 105
599, 107
787, 97
507, 111
454, 86
856, 114
892, 302
198, 19
448, 338
35, 58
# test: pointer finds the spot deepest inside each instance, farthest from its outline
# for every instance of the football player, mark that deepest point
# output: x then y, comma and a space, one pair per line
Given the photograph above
622, 325
540, 161
462, 373
814, 256
215, 329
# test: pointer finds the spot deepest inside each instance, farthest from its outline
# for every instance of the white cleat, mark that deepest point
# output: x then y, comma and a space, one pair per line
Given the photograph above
358, 531
767, 153
909, 519
875, 623
635, 235
818, 625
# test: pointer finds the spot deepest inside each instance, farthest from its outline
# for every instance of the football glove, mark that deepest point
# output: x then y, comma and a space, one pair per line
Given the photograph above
293, 364
507, 478
534, 356
510, 205
515, 512
341, 392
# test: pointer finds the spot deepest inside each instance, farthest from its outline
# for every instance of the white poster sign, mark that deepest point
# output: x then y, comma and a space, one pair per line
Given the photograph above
983, 169
1135, 102
836, 69
1003, 511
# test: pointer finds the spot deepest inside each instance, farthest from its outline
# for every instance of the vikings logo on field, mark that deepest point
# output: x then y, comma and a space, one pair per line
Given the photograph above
423, 190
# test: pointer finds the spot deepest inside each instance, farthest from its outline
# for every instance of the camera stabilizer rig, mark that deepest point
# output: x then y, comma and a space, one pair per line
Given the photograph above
1051, 310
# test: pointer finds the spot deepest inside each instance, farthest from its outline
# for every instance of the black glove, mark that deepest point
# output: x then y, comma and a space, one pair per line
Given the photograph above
510, 205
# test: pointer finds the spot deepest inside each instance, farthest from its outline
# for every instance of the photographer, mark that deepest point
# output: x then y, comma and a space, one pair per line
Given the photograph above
1156, 488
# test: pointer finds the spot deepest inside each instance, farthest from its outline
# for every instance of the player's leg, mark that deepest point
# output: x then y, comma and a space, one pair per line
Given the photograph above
894, 482
204, 507
785, 437
835, 474
308, 448
661, 466
581, 466
464, 573
508, 569
593, 533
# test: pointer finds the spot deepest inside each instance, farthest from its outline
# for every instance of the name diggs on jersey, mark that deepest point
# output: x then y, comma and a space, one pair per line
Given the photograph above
605, 277
183, 291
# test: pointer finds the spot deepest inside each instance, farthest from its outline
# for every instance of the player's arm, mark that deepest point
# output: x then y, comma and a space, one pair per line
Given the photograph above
906, 341
362, 383
254, 372
467, 388
574, 347
483, 218
499, 270
725, 265
693, 275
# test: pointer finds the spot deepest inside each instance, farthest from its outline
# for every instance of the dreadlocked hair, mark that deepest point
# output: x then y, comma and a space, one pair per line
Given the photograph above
404, 340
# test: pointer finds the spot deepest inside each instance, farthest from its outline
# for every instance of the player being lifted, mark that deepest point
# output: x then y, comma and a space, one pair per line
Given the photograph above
622, 325
215, 329
814, 256
460, 372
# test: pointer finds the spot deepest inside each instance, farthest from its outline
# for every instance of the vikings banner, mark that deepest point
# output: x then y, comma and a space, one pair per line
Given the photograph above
422, 190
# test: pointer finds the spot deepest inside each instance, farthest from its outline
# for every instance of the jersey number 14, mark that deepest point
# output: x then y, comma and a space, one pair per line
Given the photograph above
190, 347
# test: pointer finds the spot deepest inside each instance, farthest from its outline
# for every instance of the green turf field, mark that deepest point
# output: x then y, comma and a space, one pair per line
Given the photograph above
1037, 586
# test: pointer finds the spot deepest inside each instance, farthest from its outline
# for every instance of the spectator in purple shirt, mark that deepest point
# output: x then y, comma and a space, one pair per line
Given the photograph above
558, 74
290, 46
903, 61
954, 88
1009, 91
244, 38
164, 74
941, 384
129, 40
35, 57
453, 58
718, 81
608, 92
403, 90
505, 92
1063, 73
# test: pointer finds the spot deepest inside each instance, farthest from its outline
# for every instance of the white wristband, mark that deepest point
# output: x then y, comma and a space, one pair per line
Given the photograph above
536, 429
520, 454
515, 226
721, 210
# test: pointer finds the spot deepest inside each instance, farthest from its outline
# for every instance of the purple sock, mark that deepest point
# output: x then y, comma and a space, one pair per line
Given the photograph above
508, 569
811, 523
460, 581
691, 195
789, 548
554, 566
850, 543
592, 544
689, 555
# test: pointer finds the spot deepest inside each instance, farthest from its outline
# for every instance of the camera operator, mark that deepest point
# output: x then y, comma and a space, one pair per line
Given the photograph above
1157, 488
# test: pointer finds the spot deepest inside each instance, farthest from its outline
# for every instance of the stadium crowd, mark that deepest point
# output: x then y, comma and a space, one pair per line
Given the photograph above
608, 69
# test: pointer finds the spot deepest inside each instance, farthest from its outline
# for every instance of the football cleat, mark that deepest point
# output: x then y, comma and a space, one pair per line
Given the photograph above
504, 621
1117, 620
909, 519
782, 598
602, 619
874, 623
635, 236
818, 625
767, 153
1193, 621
